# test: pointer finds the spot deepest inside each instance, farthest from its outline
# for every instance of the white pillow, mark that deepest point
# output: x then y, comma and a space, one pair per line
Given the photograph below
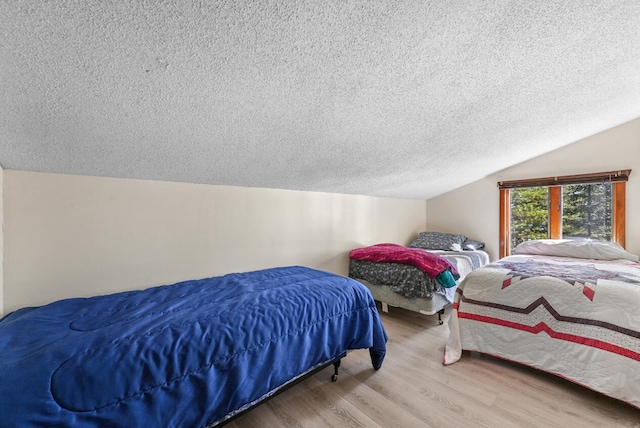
579, 248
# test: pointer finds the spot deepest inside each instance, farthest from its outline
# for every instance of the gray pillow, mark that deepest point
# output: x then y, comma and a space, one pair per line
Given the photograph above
438, 241
470, 244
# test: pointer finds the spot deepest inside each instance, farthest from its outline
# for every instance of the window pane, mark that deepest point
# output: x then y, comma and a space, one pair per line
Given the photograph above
529, 214
586, 211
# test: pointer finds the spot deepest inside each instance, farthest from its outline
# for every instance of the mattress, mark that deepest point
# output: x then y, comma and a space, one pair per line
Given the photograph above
439, 300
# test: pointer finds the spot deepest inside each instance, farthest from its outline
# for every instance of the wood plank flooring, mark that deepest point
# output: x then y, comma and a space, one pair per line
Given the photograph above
414, 389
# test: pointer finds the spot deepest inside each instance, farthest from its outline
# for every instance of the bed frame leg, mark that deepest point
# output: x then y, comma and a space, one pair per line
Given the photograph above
440, 313
334, 376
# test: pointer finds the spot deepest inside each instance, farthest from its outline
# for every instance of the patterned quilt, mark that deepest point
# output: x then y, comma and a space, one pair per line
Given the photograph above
577, 318
405, 280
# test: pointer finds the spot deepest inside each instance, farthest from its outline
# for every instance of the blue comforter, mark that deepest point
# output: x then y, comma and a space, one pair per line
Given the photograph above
188, 354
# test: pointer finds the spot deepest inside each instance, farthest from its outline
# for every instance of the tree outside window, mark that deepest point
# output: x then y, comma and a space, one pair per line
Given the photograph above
529, 214
586, 211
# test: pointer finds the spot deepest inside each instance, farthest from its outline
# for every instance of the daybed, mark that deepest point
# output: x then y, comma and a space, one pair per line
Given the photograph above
190, 354
565, 307
400, 283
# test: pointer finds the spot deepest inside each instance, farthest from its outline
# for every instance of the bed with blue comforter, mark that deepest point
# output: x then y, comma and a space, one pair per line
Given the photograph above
191, 354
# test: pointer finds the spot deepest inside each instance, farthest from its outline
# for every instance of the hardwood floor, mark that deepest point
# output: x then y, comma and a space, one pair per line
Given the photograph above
414, 389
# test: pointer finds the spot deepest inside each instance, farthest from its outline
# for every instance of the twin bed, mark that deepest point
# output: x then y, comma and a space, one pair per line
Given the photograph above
194, 353
399, 280
569, 308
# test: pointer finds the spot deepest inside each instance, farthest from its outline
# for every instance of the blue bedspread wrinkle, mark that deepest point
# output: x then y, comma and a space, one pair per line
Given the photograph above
190, 354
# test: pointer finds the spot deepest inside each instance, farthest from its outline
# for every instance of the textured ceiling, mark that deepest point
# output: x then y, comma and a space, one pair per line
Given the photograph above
403, 99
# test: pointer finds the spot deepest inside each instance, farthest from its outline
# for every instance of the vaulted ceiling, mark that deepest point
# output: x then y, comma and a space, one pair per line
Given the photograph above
402, 99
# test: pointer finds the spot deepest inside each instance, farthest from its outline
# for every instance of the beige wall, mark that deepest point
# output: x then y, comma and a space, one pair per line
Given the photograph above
473, 209
79, 236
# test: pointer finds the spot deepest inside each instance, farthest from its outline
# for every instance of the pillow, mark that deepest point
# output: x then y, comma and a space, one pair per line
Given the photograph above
470, 245
438, 241
579, 248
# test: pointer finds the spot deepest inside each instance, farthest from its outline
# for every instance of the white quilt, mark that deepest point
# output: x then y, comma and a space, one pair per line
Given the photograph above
577, 318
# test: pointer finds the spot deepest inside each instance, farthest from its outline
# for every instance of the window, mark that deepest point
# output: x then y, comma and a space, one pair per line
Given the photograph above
570, 207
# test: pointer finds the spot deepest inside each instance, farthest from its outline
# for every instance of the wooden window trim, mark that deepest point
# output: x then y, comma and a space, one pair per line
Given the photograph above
618, 178
555, 212
505, 223
619, 213
598, 177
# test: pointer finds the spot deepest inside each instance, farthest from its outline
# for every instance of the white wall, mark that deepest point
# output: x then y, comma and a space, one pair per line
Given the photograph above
473, 209
80, 236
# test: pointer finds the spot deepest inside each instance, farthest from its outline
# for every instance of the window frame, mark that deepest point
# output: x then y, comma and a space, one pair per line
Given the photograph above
617, 178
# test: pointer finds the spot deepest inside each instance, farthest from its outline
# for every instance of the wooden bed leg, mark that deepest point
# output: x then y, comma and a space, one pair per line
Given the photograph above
334, 376
440, 313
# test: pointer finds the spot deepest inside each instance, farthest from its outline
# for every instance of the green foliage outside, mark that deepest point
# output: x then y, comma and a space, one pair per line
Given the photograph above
529, 214
586, 212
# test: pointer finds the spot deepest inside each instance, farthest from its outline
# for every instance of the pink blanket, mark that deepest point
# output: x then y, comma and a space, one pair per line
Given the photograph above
432, 264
